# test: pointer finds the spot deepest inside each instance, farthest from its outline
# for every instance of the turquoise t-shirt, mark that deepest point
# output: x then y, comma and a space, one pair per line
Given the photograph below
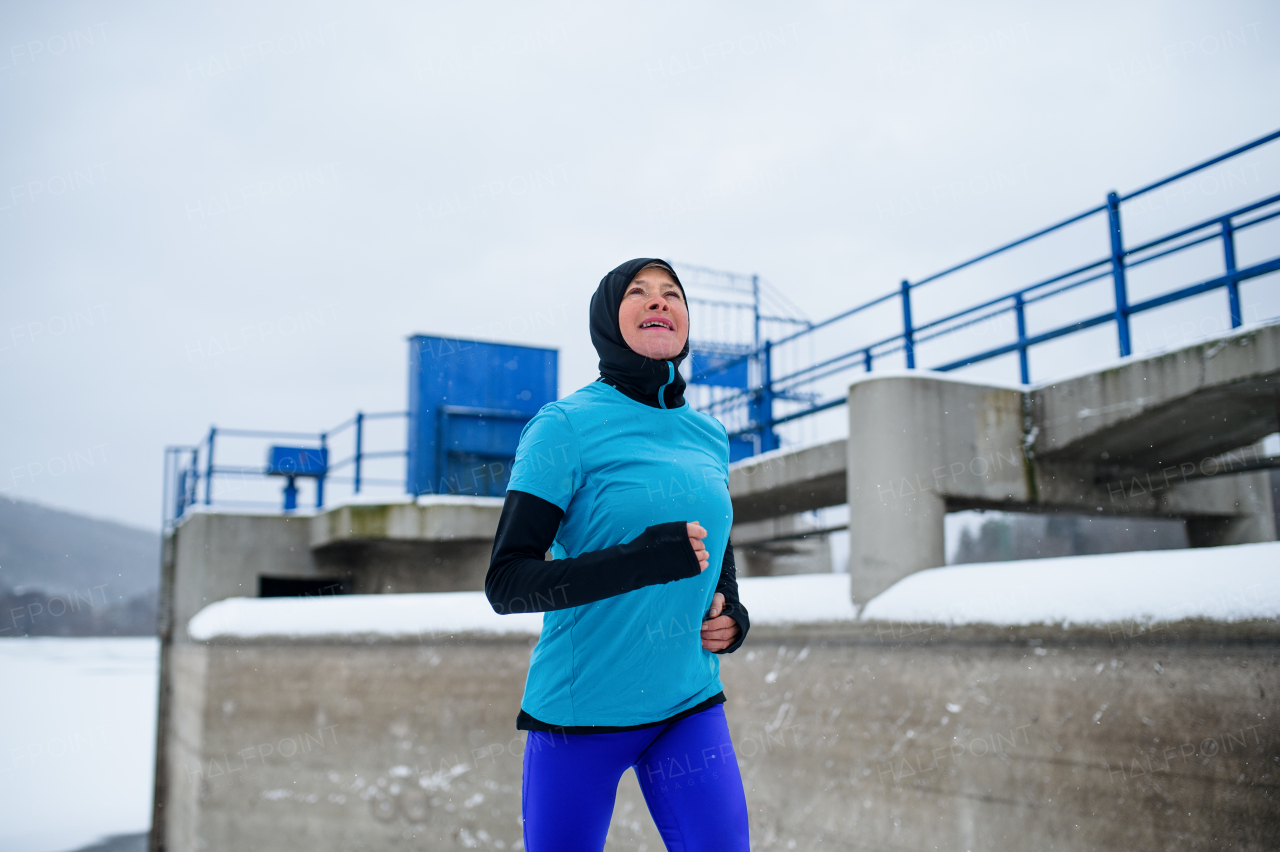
617, 466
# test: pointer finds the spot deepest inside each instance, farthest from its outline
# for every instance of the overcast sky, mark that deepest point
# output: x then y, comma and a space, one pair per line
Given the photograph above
234, 213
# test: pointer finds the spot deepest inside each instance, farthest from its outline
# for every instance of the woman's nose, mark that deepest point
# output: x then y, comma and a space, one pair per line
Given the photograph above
657, 303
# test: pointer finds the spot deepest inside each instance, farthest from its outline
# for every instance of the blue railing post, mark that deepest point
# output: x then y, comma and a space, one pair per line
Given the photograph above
180, 499
768, 440
755, 304
1019, 310
866, 359
359, 447
1233, 286
190, 497
320, 479
908, 331
174, 472
208, 468
1117, 273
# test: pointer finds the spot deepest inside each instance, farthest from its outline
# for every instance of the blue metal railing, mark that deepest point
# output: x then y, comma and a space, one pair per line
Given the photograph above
754, 405
184, 474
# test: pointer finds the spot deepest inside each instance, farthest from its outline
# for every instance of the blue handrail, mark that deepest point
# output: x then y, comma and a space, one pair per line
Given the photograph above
183, 473
754, 405
1261, 140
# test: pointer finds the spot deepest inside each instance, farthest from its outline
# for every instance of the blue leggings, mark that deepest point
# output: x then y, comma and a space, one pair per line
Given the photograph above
687, 770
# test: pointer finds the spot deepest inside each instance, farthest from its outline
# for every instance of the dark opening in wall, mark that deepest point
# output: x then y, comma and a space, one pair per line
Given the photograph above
300, 587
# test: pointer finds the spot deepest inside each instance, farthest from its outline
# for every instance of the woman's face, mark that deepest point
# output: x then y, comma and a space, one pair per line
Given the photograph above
653, 316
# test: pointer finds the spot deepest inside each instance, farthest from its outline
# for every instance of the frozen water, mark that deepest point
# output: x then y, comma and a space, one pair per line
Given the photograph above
77, 740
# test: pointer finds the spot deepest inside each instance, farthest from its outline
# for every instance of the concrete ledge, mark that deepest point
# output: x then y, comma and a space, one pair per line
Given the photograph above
1158, 411
435, 518
788, 481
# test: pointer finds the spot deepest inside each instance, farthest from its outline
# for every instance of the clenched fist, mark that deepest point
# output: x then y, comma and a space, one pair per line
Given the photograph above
718, 631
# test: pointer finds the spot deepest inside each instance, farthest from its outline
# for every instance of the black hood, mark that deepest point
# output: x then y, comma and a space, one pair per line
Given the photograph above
636, 375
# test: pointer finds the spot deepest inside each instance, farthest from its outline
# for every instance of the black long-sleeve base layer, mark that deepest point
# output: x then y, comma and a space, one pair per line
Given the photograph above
521, 579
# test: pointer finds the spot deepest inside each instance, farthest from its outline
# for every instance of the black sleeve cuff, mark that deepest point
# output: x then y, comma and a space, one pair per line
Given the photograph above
738, 613
520, 579
668, 545
728, 586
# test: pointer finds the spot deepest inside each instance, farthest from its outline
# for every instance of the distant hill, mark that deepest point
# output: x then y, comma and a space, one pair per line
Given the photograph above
119, 843
64, 574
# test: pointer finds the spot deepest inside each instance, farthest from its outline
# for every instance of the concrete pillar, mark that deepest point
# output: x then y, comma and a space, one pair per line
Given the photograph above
916, 441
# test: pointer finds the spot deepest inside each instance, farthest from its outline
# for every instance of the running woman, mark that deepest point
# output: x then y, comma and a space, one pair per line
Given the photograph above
628, 487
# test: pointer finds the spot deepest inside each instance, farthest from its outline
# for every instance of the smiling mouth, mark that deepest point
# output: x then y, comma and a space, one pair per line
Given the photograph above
658, 323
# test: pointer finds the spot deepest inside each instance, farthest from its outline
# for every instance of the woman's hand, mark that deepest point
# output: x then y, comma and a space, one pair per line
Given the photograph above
696, 534
719, 631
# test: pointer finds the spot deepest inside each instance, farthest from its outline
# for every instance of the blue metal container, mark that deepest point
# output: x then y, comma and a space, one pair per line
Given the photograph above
297, 461
725, 368
468, 402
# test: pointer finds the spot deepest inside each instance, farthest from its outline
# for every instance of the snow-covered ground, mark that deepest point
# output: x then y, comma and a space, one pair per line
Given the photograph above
77, 740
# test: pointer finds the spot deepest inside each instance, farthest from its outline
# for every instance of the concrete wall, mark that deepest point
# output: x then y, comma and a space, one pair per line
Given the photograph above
869, 736
439, 544
219, 556
792, 544
399, 567
433, 518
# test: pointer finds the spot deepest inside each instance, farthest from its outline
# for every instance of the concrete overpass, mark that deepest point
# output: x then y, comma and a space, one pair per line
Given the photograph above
1148, 437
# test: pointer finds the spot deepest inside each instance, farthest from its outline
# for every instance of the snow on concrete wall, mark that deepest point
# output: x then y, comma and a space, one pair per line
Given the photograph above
1220, 583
